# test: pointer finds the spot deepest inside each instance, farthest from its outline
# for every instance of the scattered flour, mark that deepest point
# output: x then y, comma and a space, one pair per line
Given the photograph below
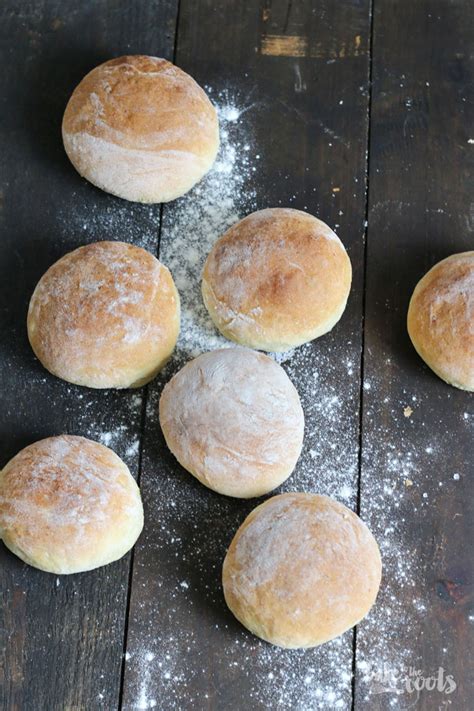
97, 216
120, 426
399, 486
195, 527
193, 223
170, 664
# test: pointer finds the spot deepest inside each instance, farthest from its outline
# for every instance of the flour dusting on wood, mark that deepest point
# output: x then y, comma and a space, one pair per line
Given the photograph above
181, 565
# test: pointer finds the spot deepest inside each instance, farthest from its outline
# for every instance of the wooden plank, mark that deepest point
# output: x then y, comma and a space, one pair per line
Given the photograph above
417, 485
62, 638
294, 132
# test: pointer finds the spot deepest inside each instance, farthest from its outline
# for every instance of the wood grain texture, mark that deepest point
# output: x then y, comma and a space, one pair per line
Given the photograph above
304, 120
298, 72
61, 638
417, 483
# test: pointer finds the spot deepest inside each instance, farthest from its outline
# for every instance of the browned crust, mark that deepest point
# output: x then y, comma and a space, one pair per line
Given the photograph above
136, 100
68, 504
301, 570
276, 279
440, 319
104, 315
140, 128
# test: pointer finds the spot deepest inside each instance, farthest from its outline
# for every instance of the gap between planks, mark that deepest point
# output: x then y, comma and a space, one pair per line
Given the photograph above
296, 47
142, 432
370, 51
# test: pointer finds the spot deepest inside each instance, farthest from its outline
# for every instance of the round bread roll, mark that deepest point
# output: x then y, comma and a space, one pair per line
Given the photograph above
140, 128
441, 319
276, 279
105, 315
234, 420
301, 570
68, 505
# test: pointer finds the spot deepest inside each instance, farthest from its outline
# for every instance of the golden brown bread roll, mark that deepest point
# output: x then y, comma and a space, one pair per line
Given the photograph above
441, 319
105, 315
140, 128
233, 419
301, 570
276, 279
68, 504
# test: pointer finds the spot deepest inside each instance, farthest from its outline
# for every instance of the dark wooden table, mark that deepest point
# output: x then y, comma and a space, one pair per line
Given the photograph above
362, 113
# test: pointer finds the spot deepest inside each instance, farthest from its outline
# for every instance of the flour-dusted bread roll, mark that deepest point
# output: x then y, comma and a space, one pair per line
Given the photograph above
105, 315
276, 279
233, 419
68, 504
441, 319
140, 128
301, 570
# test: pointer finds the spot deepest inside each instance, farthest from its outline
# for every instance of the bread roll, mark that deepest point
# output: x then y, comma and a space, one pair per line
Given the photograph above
140, 128
233, 419
441, 319
68, 505
105, 315
301, 570
276, 279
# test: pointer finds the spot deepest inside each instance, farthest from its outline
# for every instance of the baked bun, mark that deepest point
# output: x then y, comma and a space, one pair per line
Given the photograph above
68, 505
276, 279
140, 128
441, 319
301, 570
105, 315
233, 419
